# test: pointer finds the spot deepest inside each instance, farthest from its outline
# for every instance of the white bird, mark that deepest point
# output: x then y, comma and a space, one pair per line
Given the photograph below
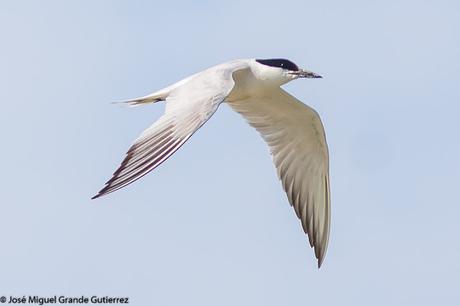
292, 130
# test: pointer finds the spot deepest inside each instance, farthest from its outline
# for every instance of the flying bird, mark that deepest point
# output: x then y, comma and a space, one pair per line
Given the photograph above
292, 130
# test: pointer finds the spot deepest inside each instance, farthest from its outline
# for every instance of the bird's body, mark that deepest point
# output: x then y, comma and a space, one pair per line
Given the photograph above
292, 130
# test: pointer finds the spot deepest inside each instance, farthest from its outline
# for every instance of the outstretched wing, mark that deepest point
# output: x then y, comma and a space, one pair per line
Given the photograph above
188, 107
296, 138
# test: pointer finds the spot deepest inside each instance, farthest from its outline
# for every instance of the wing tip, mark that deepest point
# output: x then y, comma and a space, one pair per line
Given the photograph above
320, 253
320, 261
102, 192
99, 194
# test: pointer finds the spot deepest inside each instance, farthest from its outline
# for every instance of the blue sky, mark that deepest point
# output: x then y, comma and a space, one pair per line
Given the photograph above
212, 225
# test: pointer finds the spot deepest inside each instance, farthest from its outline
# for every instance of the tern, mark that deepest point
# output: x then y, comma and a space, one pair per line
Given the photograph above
252, 87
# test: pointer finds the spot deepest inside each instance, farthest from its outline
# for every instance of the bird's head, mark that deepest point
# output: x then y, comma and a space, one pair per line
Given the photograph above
280, 71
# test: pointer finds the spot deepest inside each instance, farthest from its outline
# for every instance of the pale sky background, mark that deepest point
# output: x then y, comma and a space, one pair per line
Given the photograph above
212, 225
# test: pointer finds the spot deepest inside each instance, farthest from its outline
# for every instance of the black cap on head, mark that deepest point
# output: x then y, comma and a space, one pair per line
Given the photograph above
279, 62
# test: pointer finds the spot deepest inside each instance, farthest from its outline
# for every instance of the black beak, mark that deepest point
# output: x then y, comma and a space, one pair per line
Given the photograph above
306, 74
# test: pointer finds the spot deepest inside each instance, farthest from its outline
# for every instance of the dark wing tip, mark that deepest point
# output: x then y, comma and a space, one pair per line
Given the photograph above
320, 261
102, 192
99, 194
